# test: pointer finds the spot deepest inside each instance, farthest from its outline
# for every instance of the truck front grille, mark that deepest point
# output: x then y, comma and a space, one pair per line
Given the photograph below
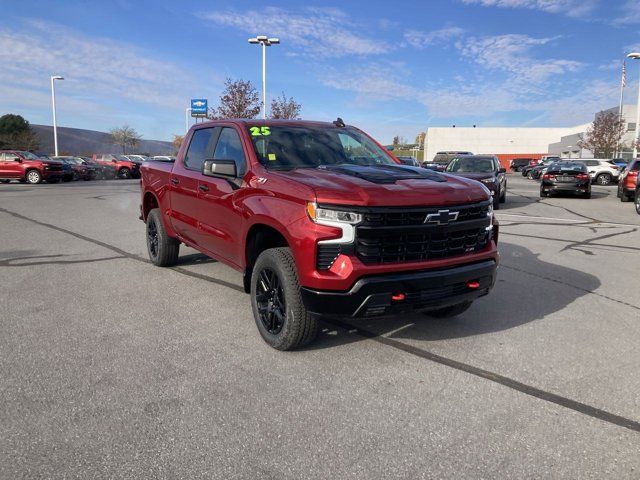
392, 235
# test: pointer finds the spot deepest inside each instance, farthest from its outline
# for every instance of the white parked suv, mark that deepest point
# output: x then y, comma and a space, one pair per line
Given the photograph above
601, 171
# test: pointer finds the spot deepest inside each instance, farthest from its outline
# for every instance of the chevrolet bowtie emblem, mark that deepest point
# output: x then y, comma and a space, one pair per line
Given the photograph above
443, 217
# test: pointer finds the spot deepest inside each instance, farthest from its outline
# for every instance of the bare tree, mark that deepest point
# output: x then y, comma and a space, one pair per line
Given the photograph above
420, 138
604, 136
125, 136
286, 108
396, 141
239, 100
177, 142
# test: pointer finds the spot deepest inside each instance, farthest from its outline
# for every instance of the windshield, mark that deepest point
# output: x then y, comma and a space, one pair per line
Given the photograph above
288, 147
29, 156
471, 165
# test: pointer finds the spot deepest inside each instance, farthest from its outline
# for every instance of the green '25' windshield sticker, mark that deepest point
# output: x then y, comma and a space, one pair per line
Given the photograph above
259, 131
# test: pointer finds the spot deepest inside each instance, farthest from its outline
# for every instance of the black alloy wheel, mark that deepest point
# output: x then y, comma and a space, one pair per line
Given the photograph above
152, 239
270, 301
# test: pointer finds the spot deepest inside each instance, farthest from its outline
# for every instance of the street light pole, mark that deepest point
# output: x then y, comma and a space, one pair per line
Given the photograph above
186, 119
53, 104
265, 42
636, 56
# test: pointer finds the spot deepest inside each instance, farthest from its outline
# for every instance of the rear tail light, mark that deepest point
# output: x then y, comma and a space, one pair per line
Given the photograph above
548, 176
582, 176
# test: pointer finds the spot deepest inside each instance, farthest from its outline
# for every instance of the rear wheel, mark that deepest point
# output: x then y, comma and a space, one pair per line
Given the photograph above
603, 179
450, 311
543, 193
33, 177
623, 196
163, 249
280, 315
503, 197
637, 201
587, 194
124, 173
530, 175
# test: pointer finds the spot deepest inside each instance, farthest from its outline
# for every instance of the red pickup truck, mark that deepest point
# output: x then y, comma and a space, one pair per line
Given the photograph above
124, 167
27, 167
322, 221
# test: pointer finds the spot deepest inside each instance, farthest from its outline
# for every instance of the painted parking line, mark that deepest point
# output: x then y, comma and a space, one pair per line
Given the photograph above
567, 220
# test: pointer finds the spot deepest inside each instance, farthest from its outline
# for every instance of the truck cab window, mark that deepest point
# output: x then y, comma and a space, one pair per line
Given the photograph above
229, 147
200, 148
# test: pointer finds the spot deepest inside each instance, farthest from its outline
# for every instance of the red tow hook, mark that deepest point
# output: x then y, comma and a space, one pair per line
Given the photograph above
473, 284
397, 297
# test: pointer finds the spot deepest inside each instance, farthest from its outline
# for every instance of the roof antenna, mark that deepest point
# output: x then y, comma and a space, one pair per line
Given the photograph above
339, 122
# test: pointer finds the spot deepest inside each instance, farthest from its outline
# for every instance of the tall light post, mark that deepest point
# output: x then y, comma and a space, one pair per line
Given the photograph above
53, 104
636, 56
186, 119
265, 42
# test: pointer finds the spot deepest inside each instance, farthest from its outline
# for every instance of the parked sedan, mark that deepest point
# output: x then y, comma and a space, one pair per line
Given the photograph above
566, 177
484, 168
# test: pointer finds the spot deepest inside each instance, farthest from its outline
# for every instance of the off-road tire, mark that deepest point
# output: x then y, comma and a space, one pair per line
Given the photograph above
450, 311
33, 177
299, 327
165, 251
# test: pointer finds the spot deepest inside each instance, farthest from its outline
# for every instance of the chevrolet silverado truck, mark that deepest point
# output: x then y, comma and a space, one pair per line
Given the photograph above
28, 168
124, 168
322, 221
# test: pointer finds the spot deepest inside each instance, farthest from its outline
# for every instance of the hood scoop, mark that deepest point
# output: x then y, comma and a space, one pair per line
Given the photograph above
385, 174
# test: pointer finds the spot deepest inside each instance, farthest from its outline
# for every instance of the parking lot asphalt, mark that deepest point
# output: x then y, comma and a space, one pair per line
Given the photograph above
114, 368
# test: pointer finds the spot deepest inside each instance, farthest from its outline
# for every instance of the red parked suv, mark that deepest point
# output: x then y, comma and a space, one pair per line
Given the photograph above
125, 168
27, 167
321, 220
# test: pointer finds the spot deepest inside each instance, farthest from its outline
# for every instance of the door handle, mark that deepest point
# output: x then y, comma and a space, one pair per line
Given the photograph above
175, 181
203, 188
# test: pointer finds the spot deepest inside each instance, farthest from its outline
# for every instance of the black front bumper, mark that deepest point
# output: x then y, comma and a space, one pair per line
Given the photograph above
421, 290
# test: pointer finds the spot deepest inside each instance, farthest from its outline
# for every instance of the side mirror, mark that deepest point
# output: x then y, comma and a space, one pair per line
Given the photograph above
219, 168
502, 170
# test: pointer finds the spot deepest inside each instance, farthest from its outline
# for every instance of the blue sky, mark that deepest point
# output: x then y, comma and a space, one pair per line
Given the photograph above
388, 67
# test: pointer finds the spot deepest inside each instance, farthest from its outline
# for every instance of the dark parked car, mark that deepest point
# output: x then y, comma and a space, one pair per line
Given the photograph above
566, 177
410, 161
442, 159
484, 168
518, 163
81, 170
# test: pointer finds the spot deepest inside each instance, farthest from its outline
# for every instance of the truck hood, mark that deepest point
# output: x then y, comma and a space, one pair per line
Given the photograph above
387, 185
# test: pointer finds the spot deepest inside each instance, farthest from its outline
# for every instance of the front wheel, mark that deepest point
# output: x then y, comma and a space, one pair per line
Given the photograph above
124, 173
33, 177
603, 179
280, 315
450, 311
163, 249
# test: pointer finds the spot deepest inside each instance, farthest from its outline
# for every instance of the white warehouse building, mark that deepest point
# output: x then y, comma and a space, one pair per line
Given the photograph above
505, 142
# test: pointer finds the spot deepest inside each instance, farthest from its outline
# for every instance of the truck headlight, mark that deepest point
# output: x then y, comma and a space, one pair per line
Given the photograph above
488, 180
326, 216
342, 219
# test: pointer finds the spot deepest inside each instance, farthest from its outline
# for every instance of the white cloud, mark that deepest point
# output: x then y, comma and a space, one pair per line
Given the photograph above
420, 39
511, 53
95, 69
325, 31
571, 8
629, 13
